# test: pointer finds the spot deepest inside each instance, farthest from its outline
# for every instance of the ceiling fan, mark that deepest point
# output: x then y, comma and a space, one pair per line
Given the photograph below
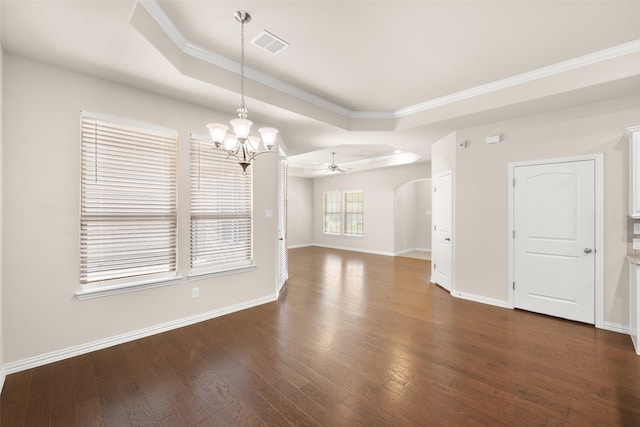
335, 168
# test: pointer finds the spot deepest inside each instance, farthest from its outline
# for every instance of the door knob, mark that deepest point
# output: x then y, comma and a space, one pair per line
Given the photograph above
446, 239
587, 250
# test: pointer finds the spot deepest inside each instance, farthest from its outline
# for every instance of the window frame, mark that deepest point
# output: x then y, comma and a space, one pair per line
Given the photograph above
205, 165
101, 209
342, 213
353, 208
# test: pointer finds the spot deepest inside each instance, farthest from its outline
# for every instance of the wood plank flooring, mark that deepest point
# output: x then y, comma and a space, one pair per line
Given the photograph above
355, 340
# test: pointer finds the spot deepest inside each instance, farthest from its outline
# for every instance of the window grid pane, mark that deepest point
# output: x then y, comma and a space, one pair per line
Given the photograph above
354, 213
332, 212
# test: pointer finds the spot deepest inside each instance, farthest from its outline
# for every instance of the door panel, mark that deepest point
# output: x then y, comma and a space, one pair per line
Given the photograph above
554, 270
442, 221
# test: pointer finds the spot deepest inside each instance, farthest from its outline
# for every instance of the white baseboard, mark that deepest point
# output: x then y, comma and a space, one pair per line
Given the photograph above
406, 251
616, 327
3, 375
345, 248
303, 245
481, 299
54, 356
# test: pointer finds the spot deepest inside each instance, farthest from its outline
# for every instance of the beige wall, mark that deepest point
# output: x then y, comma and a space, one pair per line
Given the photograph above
300, 218
480, 191
378, 187
41, 215
412, 220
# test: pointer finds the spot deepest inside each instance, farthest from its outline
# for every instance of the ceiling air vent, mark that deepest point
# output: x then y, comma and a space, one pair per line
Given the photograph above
269, 42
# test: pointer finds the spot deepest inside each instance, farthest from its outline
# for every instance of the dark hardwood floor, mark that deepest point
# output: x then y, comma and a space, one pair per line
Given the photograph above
355, 339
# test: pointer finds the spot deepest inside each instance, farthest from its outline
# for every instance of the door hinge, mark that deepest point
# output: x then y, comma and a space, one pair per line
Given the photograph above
434, 266
434, 227
514, 234
514, 182
435, 189
514, 286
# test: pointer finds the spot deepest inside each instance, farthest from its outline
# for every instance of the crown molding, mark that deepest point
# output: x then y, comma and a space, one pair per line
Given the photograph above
196, 51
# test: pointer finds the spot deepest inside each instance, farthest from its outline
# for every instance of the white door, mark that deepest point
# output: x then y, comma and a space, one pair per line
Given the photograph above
283, 256
554, 242
442, 221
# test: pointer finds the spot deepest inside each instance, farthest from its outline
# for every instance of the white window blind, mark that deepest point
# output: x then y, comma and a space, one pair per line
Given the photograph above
282, 221
221, 210
128, 203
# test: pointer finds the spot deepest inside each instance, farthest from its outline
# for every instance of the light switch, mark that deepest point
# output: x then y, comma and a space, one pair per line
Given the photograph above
268, 214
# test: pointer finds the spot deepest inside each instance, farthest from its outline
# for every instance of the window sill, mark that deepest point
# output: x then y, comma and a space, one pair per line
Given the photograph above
209, 274
356, 236
105, 291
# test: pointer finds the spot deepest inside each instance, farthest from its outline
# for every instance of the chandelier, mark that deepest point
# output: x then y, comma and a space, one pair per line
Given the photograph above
240, 144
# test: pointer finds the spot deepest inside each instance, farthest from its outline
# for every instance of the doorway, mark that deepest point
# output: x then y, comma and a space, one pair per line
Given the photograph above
412, 219
556, 247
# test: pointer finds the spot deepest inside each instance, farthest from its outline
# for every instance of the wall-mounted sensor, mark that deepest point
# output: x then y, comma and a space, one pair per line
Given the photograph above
462, 145
493, 139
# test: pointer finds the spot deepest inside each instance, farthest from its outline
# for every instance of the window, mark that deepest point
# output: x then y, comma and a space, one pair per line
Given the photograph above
332, 212
344, 213
221, 212
354, 213
128, 228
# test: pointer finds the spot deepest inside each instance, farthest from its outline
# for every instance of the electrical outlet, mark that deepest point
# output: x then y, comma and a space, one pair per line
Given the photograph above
195, 293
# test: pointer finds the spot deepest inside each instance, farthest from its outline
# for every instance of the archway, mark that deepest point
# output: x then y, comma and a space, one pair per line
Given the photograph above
412, 219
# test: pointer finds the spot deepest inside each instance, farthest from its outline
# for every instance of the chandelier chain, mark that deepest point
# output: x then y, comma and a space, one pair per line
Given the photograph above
242, 107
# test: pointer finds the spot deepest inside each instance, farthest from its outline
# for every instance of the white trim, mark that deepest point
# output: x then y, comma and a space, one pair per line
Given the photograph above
54, 356
193, 50
348, 248
303, 245
210, 274
529, 76
128, 122
599, 224
481, 299
3, 376
433, 235
616, 327
105, 291
196, 51
406, 251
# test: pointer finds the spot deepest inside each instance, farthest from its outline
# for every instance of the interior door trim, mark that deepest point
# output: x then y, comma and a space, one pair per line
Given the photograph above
434, 178
598, 160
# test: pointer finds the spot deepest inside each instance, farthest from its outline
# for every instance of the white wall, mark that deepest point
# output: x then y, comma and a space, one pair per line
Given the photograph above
41, 215
480, 191
378, 187
300, 215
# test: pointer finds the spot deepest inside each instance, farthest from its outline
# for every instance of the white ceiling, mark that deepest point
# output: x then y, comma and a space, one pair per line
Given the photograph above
390, 75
